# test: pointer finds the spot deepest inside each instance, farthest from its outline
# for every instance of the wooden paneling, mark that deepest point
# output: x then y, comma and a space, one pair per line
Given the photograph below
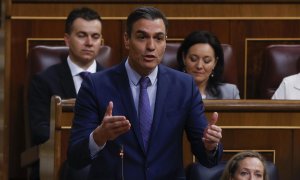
1, 14
296, 154
262, 125
264, 139
241, 30
254, 60
192, 10
157, 1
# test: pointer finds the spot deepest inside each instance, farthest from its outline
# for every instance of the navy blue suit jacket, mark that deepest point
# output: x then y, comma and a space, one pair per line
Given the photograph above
178, 107
55, 80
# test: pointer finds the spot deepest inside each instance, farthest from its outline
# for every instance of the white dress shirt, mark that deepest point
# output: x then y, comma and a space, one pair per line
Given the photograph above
134, 79
289, 88
75, 70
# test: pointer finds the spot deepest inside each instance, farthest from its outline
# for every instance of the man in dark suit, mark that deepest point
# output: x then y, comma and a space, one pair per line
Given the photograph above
83, 37
127, 133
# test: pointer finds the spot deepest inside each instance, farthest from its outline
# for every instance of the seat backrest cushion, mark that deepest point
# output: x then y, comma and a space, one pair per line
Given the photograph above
42, 57
279, 61
272, 171
197, 171
170, 56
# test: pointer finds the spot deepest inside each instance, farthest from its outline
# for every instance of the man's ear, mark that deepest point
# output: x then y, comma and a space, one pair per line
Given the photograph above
66, 38
126, 40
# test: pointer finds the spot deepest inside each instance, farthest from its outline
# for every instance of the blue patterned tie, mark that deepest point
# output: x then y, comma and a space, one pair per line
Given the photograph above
84, 74
145, 116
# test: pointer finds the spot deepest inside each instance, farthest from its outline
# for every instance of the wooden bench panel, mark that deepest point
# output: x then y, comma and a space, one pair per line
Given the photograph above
267, 126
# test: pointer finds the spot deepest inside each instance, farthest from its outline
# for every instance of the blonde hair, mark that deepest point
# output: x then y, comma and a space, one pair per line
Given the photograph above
233, 164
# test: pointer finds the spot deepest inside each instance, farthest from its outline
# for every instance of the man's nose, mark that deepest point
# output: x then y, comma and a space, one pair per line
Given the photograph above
88, 40
150, 44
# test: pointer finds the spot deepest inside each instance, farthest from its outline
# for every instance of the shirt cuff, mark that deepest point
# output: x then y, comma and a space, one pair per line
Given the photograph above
93, 146
213, 152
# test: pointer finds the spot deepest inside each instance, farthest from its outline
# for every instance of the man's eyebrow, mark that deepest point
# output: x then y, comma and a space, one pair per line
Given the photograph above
160, 34
141, 32
144, 32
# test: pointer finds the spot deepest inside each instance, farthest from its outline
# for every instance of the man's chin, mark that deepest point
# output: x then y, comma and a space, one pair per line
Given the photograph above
88, 58
150, 66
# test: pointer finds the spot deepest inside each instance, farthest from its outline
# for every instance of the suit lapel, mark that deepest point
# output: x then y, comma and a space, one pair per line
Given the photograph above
67, 82
122, 83
98, 67
163, 86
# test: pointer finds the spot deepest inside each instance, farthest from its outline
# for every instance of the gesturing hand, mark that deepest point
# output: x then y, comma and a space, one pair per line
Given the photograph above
212, 134
111, 127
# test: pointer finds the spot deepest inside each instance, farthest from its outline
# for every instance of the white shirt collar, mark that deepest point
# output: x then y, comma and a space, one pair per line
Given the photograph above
297, 85
75, 69
134, 77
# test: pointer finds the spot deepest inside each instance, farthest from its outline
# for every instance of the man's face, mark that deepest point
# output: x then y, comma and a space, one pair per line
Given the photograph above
84, 41
146, 45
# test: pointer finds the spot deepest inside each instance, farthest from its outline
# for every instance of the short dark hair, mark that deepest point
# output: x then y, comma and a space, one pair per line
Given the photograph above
150, 13
204, 37
84, 13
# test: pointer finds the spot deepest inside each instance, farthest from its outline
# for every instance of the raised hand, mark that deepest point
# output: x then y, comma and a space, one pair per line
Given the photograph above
212, 134
111, 127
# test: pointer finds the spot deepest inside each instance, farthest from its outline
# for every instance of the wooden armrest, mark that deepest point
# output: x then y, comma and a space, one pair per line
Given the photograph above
30, 156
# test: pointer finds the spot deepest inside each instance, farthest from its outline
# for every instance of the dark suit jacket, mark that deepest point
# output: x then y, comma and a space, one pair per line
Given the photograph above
55, 80
178, 107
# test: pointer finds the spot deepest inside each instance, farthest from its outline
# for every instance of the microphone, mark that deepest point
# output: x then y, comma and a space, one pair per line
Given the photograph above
122, 161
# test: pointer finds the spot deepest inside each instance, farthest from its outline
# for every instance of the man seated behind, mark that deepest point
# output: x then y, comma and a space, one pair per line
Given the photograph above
83, 37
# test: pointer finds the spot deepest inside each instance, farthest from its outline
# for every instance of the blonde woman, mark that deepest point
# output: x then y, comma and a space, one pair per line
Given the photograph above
247, 165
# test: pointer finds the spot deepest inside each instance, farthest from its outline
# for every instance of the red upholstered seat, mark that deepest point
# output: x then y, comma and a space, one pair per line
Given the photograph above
279, 61
41, 57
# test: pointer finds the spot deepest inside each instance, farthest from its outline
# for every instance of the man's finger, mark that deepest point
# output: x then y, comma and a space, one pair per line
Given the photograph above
214, 118
109, 109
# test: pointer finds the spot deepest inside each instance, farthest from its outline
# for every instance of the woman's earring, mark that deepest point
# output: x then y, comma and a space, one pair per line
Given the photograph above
212, 74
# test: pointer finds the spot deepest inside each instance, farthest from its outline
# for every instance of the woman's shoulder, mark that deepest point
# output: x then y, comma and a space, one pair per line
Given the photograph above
229, 91
227, 86
292, 78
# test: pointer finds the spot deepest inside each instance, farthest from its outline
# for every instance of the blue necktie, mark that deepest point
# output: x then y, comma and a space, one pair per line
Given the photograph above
84, 74
145, 116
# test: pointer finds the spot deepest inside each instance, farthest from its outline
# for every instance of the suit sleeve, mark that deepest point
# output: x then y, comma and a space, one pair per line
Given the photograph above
86, 119
39, 99
195, 127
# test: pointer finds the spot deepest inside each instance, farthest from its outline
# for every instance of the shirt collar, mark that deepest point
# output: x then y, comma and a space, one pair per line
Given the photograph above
134, 77
297, 85
75, 69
